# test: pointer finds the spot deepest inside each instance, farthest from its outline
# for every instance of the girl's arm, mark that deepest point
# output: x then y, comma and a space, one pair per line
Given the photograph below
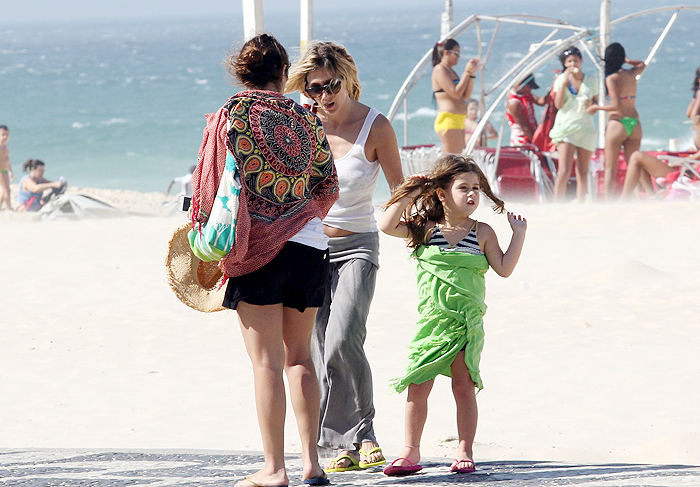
386, 150
391, 223
503, 263
638, 67
560, 94
461, 90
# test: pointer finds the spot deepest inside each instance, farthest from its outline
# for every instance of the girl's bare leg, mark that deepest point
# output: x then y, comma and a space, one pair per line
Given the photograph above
463, 389
416, 414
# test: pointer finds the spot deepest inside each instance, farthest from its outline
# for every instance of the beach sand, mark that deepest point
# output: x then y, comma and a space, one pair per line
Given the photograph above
590, 355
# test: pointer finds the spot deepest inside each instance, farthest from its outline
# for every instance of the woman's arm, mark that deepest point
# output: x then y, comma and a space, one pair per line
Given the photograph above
694, 106
385, 149
503, 263
638, 67
461, 90
614, 106
33, 187
560, 90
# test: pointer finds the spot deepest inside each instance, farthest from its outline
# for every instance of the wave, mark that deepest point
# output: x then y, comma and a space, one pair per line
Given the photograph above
423, 112
79, 125
201, 81
114, 121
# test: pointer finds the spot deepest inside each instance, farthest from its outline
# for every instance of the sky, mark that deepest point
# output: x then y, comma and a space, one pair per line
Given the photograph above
28, 11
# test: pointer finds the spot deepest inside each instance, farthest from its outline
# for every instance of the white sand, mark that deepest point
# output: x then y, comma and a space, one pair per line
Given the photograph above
591, 352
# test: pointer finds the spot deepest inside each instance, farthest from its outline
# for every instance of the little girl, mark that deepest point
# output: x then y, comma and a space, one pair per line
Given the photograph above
453, 252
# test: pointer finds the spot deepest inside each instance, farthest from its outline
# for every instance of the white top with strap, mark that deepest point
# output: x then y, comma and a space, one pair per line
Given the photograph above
357, 180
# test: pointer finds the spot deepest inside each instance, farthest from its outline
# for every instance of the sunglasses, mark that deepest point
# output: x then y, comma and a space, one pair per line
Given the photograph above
332, 87
456, 53
571, 51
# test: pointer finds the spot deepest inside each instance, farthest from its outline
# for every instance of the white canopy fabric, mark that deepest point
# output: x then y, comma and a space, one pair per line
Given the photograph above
77, 207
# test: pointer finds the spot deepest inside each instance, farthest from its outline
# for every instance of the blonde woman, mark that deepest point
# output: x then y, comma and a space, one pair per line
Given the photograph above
362, 142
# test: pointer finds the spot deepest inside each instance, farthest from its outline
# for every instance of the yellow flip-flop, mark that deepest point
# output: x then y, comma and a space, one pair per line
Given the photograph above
354, 464
364, 453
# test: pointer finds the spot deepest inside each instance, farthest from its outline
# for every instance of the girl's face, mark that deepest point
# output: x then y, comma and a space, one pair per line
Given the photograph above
4, 136
328, 90
461, 197
472, 111
573, 61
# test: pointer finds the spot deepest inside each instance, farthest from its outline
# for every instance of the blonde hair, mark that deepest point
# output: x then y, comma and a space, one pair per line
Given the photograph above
427, 206
335, 58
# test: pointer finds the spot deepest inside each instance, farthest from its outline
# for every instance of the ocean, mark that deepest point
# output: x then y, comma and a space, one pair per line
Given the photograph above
120, 104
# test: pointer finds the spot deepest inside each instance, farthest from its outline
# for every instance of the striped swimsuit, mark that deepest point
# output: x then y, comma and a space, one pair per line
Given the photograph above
469, 244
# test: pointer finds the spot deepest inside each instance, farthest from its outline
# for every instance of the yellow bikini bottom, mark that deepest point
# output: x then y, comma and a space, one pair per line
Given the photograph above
449, 121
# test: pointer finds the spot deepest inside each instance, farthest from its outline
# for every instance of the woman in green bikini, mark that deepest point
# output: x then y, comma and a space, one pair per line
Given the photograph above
624, 128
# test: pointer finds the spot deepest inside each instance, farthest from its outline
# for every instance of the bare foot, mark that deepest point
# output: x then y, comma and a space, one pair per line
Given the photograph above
409, 455
341, 461
261, 479
367, 456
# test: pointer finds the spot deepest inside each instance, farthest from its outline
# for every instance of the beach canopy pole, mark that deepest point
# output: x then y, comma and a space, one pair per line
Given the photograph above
253, 21
604, 41
306, 34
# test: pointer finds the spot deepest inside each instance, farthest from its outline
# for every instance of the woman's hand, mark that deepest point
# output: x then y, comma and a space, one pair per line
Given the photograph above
592, 108
472, 66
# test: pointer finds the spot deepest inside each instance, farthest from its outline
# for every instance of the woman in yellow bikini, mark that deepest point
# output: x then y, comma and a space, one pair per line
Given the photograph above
624, 128
451, 93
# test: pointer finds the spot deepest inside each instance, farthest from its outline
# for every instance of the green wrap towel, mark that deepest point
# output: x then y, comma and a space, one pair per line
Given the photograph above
451, 291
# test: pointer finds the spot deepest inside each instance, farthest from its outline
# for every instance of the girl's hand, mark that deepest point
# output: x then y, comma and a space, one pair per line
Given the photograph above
592, 108
517, 222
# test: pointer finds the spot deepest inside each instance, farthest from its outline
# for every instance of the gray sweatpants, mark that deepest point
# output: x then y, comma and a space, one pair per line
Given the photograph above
337, 348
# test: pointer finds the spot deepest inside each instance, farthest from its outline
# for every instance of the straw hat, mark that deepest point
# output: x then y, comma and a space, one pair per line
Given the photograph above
195, 282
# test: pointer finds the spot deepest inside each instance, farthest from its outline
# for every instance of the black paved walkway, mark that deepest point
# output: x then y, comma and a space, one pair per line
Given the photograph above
65, 468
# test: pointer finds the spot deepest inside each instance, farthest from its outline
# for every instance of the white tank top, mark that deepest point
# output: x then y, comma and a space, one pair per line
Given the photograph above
357, 179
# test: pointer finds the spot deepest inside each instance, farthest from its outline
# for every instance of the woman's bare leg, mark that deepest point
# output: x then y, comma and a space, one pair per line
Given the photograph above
641, 165
452, 141
262, 327
566, 161
303, 384
615, 136
583, 160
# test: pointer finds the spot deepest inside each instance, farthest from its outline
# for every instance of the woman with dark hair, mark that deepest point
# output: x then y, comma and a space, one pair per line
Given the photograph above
451, 93
694, 106
33, 185
574, 130
279, 263
624, 128
363, 143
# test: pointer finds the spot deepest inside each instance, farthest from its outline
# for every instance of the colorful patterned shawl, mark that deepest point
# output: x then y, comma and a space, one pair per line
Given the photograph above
286, 167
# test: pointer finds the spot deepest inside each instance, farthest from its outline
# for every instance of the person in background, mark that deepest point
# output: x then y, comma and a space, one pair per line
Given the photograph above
574, 129
363, 143
185, 183
520, 111
451, 92
278, 267
32, 186
694, 106
472, 121
6, 175
623, 130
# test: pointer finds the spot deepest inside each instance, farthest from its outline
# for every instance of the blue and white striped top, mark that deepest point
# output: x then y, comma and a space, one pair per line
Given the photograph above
469, 244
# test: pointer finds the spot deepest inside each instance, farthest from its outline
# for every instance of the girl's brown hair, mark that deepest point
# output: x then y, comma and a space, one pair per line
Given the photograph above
32, 164
427, 206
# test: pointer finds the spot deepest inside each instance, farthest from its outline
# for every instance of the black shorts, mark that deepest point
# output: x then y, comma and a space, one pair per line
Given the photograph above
297, 277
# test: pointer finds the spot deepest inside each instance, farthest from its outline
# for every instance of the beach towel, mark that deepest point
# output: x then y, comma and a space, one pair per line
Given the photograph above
451, 291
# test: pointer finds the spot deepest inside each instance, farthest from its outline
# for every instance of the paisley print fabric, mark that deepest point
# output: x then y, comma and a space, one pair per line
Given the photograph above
281, 152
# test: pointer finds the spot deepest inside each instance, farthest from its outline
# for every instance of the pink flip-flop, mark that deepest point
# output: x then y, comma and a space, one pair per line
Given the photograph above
454, 468
393, 470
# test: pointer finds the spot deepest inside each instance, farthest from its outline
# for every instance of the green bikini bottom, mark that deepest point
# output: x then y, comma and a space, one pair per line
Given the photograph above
629, 123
